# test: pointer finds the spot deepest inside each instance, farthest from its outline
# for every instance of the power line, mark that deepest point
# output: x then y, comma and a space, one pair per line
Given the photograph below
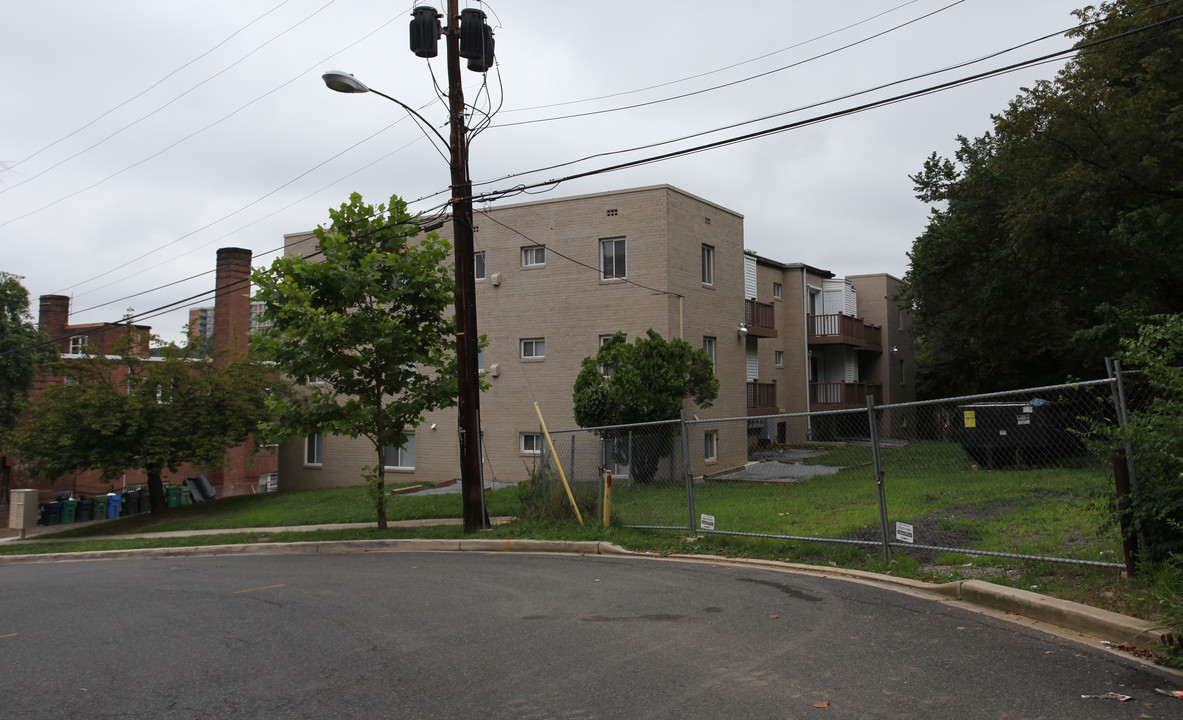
735, 82
145, 90
717, 70
492, 196
170, 102
195, 132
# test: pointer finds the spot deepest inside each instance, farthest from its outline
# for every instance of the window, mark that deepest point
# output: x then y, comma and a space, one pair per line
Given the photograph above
779, 358
534, 348
401, 458
903, 376
533, 256
314, 449
78, 344
478, 265
480, 361
710, 446
268, 482
708, 265
776, 289
315, 380
612, 258
530, 443
708, 344
605, 370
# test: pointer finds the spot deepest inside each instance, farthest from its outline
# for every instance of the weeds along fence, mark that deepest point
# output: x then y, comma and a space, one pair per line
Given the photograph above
1023, 475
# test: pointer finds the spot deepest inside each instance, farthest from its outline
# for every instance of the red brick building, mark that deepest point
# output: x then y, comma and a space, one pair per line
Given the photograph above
242, 473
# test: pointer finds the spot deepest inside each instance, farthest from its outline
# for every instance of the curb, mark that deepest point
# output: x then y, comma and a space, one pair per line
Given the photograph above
1083, 619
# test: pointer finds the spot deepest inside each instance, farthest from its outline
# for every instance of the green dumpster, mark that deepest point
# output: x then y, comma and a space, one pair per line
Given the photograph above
174, 497
100, 507
69, 510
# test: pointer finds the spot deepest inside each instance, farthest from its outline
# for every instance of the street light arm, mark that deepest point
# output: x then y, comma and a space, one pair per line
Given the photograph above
412, 111
343, 82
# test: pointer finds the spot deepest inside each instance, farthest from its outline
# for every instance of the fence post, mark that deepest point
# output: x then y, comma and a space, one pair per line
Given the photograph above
691, 525
1113, 367
1121, 482
874, 426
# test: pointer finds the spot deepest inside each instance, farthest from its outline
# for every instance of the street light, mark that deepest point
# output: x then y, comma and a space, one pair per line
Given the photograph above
468, 400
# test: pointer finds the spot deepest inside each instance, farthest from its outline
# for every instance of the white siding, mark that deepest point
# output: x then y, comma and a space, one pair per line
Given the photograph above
749, 277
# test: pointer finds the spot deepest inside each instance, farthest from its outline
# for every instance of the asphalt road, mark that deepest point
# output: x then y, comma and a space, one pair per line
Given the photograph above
448, 635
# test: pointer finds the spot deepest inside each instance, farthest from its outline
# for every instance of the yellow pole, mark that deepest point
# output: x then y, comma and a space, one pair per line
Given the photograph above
559, 465
607, 499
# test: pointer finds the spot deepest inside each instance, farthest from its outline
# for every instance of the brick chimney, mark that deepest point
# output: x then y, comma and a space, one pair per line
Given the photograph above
54, 315
232, 305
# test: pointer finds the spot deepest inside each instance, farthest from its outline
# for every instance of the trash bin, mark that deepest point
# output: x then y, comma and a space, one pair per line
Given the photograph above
85, 511
131, 503
174, 497
100, 507
114, 500
51, 513
69, 510
145, 503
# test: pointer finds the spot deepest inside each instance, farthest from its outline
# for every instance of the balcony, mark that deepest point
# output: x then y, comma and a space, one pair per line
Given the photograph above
840, 395
760, 319
844, 330
762, 398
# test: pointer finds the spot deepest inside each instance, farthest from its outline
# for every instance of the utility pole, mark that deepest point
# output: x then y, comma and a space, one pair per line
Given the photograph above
469, 409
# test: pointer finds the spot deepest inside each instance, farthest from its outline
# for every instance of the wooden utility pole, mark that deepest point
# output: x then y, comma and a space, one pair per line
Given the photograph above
469, 410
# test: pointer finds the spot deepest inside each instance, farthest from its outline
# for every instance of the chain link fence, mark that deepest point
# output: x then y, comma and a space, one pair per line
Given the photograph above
1025, 474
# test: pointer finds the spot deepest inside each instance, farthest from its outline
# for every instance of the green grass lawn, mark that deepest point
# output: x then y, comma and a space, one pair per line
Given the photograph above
1051, 511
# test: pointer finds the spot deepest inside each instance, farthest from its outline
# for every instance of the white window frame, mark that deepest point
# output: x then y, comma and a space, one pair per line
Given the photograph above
478, 265
710, 446
776, 291
708, 264
314, 450
778, 358
315, 380
534, 256
78, 344
615, 273
533, 447
404, 456
710, 345
534, 344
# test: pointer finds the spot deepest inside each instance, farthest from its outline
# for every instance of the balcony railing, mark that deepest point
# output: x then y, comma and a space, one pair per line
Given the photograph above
834, 395
844, 330
759, 318
762, 398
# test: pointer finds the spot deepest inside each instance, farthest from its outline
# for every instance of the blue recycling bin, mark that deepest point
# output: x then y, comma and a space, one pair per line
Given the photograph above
114, 500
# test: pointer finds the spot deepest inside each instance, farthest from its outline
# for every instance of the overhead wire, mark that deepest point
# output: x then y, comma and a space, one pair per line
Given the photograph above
107, 112
1050, 57
195, 132
740, 80
170, 102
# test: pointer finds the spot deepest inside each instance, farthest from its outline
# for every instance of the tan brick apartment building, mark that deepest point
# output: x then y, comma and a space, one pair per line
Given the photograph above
554, 277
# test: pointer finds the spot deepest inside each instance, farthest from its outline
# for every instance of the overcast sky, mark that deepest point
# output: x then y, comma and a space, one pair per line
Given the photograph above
140, 136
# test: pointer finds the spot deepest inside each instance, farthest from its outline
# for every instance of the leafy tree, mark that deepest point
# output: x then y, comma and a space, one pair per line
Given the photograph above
646, 381
368, 317
20, 353
115, 413
1155, 432
1051, 236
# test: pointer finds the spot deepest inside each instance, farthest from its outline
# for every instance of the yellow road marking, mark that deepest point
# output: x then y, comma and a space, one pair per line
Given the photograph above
254, 589
9, 635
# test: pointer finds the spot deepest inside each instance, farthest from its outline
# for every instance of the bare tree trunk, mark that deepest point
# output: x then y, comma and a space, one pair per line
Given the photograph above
156, 492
